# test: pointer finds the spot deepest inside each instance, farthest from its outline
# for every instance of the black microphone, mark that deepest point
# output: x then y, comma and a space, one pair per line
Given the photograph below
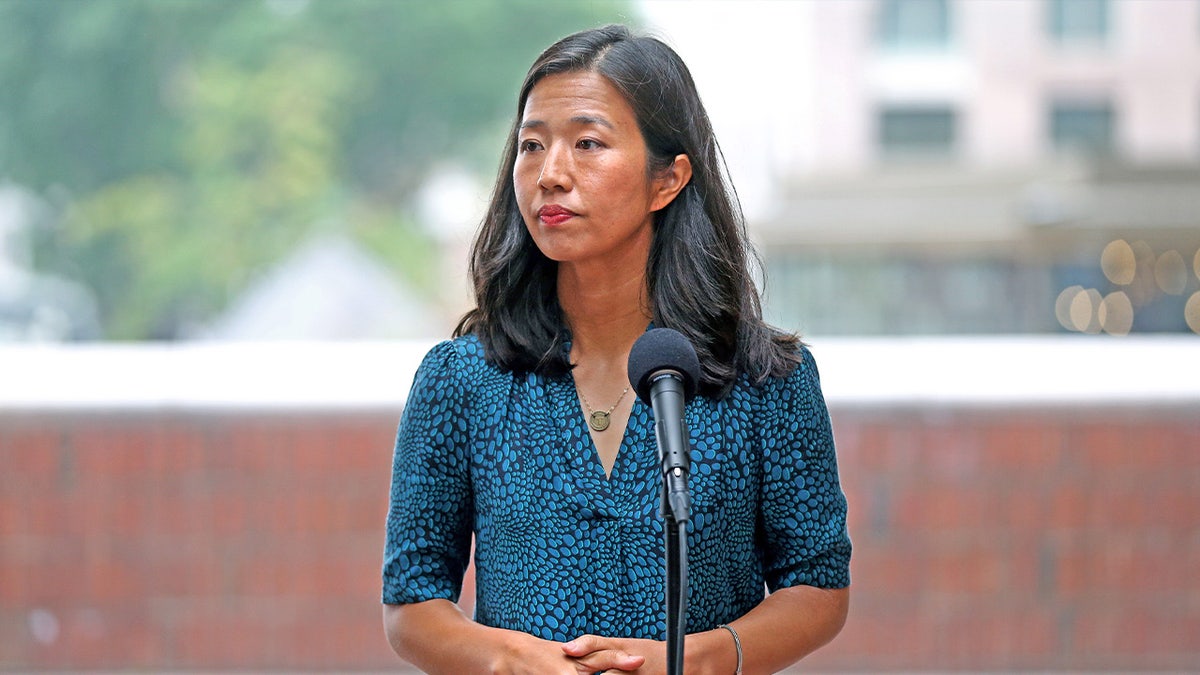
664, 371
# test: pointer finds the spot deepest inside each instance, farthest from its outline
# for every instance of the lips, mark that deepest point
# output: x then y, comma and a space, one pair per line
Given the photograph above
553, 214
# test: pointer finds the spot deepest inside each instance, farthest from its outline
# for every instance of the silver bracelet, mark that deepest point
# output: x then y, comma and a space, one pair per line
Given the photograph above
737, 642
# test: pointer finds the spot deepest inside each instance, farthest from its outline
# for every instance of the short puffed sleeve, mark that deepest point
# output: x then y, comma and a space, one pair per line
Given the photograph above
802, 519
429, 515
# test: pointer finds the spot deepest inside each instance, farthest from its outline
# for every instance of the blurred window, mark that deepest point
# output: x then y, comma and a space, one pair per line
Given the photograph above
865, 292
914, 24
917, 131
1082, 127
1079, 21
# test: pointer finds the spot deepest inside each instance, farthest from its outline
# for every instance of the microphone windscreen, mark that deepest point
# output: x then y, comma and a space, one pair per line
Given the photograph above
663, 349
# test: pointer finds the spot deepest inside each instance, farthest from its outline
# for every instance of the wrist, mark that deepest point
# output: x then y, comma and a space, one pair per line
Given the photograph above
711, 653
504, 647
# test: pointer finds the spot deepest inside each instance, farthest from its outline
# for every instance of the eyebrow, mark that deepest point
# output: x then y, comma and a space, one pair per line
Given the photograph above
578, 119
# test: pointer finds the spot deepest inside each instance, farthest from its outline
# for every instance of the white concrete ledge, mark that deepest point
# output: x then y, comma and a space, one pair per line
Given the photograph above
1011, 370
982, 371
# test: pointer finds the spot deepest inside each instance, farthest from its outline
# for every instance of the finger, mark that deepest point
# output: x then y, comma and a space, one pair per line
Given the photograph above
586, 644
612, 659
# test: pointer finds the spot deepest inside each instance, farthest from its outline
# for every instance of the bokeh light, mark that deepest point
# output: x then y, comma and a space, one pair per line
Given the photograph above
1118, 262
1143, 289
1116, 314
1085, 311
1170, 273
1191, 311
1062, 306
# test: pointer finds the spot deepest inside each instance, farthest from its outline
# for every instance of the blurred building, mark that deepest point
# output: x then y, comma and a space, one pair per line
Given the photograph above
970, 166
36, 307
330, 288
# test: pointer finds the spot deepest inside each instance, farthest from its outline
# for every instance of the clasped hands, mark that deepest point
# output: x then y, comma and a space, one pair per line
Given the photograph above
585, 655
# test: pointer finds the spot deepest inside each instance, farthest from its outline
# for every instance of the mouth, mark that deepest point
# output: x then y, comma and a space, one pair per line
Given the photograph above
553, 214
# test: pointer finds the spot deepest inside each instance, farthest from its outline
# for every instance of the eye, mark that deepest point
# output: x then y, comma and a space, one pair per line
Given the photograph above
529, 145
589, 144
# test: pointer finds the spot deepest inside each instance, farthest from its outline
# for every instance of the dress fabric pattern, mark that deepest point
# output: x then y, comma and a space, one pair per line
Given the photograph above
561, 550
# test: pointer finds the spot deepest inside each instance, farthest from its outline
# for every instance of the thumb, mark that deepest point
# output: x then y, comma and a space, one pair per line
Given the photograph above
602, 653
584, 644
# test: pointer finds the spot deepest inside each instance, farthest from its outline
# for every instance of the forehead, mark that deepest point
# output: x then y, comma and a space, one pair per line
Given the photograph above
577, 96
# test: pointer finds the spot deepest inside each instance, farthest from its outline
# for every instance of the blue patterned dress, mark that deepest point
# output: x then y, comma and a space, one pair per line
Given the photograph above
561, 549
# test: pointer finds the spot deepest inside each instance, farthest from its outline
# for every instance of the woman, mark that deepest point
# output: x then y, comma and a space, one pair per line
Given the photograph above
611, 214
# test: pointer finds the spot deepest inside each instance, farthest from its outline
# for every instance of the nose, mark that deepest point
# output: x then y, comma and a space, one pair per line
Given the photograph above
556, 170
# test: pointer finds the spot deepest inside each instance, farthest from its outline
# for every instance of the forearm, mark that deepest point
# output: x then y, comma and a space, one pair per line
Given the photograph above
437, 637
785, 627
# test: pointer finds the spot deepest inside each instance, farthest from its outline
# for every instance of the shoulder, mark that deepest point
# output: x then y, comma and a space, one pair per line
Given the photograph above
802, 378
454, 376
459, 352
461, 360
784, 400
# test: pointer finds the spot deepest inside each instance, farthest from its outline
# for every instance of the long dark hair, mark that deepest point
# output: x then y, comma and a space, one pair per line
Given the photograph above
698, 272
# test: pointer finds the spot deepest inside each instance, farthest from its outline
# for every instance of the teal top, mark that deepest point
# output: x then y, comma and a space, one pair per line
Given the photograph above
561, 549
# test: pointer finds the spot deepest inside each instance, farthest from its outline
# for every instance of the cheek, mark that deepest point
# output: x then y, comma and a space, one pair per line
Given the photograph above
630, 187
523, 188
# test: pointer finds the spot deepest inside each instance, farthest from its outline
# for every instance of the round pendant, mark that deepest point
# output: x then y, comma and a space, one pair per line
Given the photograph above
598, 420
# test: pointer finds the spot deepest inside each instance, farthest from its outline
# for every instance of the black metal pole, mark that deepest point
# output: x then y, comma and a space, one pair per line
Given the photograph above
675, 534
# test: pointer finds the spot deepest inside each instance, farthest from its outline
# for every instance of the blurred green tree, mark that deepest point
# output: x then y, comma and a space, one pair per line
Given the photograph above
190, 143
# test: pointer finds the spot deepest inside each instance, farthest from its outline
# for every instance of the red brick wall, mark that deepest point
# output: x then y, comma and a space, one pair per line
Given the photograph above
200, 540
1022, 539
984, 539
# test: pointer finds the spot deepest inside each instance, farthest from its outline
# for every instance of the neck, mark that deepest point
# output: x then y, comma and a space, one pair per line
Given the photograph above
606, 311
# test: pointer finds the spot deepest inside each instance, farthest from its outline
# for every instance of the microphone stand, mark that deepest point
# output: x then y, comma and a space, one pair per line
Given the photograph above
675, 534
675, 509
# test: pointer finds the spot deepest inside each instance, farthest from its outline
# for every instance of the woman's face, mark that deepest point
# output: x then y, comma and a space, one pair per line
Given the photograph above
580, 173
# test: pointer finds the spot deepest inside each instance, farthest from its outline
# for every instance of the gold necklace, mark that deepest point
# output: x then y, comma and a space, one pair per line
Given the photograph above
599, 419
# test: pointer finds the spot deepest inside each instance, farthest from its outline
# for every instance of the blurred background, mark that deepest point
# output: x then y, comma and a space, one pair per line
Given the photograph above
230, 228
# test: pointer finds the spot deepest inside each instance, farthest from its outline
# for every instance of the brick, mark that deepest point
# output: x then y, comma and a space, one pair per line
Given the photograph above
238, 635
1132, 564
1026, 447
13, 509
30, 455
313, 513
108, 452
1150, 636
890, 567
112, 578
1021, 508
57, 514
312, 451
1106, 443
942, 506
14, 585
367, 445
175, 449
1069, 508
178, 514
1150, 507
230, 515
265, 573
1023, 562
967, 570
996, 635
54, 581
867, 445
950, 452
184, 576
247, 445
876, 642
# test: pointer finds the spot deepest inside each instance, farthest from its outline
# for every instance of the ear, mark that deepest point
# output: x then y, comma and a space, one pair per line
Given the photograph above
667, 184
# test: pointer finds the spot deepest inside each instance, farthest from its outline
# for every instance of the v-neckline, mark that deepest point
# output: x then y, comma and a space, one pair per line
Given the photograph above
574, 425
